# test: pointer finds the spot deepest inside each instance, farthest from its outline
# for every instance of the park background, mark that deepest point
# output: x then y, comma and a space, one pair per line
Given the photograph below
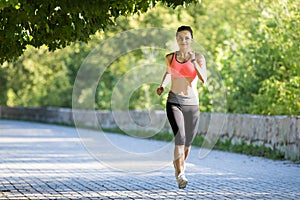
253, 46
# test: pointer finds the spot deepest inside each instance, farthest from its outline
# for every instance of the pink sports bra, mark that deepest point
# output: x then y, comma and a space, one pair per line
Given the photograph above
182, 70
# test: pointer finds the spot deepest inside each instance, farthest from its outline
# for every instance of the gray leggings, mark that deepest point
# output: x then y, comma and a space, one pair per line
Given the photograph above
184, 122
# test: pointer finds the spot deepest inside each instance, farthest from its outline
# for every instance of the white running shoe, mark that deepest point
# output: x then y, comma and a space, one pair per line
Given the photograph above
176, 173
182, 181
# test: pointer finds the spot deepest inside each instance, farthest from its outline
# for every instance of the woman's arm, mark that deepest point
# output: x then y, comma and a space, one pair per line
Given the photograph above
166, 80
167, 76
200, 66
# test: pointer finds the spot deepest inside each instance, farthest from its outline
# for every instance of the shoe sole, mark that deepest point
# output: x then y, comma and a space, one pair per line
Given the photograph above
182, 184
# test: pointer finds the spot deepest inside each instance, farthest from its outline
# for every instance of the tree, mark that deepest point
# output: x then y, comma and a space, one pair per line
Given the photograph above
39, 78
57, 24
279, 92
260, 63
257, 59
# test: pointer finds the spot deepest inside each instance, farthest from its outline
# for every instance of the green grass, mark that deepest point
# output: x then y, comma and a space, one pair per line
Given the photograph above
250, 149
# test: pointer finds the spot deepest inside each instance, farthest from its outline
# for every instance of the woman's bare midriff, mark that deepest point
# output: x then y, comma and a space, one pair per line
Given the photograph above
183, 86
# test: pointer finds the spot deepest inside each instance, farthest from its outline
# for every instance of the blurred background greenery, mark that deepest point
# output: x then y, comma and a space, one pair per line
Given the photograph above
253, 45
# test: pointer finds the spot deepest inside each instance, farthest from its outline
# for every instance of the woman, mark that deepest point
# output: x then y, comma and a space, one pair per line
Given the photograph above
184, 68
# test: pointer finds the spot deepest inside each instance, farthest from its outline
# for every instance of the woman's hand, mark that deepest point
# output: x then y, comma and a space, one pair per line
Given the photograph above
192, 56
160, 90
200, 66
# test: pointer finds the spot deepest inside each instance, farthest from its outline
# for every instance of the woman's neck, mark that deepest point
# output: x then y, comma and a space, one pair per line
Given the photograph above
183, 54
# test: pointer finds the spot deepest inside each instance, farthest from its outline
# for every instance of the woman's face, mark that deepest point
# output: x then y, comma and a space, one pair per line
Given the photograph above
184, 40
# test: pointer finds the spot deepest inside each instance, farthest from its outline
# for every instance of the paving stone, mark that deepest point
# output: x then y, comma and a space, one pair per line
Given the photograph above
42, 161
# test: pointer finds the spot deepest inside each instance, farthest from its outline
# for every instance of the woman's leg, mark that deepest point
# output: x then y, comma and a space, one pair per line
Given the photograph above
186, 152
179, 158
184, 121
191, 120
176, 120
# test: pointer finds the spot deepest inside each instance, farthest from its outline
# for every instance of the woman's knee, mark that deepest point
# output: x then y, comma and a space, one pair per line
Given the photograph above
180, 139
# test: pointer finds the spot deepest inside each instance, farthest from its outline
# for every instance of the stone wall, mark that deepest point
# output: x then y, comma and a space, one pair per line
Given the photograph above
279, 132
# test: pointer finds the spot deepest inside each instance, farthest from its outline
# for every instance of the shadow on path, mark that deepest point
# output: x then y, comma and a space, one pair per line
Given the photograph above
42, 161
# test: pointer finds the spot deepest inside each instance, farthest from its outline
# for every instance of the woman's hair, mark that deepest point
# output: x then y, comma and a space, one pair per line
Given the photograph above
185, 28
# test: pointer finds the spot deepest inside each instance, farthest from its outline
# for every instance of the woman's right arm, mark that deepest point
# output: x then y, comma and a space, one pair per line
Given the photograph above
167, 76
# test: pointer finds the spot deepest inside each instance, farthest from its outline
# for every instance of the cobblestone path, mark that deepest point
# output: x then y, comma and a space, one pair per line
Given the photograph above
42, 161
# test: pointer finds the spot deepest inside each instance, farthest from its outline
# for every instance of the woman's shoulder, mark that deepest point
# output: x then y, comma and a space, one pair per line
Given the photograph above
169, 58
170, 55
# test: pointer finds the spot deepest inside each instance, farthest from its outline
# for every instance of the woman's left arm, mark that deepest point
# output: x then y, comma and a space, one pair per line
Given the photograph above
199, 63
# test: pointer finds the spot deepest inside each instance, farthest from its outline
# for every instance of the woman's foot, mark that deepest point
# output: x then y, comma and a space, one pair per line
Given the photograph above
182, 180
180, 177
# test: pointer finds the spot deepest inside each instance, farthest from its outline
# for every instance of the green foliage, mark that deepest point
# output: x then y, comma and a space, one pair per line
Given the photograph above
42, 83
259, 64
3, 84
243, 148
277, 97
249, 149
251, 48
58, 23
